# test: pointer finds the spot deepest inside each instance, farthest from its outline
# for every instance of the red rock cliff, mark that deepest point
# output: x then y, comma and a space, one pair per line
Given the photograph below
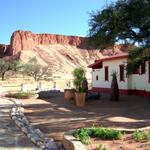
25, 40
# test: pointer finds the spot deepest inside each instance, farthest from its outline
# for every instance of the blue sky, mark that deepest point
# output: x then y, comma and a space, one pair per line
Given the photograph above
68, 17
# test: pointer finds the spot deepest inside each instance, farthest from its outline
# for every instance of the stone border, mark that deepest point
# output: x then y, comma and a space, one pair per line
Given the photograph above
71, 143
35, 135
132, 130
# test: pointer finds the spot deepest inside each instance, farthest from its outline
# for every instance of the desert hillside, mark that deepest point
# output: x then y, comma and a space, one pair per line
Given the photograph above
62, 59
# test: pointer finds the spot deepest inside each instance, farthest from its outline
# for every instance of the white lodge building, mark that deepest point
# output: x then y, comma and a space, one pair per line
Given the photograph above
136, 84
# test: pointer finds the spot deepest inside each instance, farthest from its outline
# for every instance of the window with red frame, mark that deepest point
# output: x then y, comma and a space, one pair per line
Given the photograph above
143, 68
106, 73
122, 72
137, 71
97, 77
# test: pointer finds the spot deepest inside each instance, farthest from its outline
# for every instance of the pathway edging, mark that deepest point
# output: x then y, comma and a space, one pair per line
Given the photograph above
71, 143
35, 135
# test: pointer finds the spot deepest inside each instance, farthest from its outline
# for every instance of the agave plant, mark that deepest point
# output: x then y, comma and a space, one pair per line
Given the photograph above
114, 88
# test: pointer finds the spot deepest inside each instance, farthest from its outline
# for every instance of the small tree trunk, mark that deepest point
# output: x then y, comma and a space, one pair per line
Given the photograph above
35, 78
114, 88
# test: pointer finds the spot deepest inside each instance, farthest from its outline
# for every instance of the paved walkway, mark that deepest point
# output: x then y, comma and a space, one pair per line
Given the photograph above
11, 138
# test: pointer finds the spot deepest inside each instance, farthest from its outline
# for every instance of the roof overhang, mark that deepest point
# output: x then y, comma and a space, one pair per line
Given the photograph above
98, 63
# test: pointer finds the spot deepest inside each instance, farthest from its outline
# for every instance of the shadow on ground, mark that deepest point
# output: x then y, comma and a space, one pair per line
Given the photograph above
11, 136
55, 115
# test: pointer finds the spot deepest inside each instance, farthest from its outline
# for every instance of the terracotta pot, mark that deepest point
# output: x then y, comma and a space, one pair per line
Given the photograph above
69, 95
80, 99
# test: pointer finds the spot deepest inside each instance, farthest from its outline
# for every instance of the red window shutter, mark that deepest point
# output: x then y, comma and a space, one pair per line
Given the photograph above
106, 73
121, 72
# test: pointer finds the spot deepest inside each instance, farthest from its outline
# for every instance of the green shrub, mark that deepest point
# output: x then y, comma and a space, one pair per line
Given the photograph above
101, 147
141, 135
84, 134
72, 90
20, 94
106, 133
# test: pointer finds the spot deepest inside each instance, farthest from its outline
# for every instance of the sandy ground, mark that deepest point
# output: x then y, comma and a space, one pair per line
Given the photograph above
55, 115
126, 143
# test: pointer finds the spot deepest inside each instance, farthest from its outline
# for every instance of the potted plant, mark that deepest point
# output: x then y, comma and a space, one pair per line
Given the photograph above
80, 94
114, 88
69, 94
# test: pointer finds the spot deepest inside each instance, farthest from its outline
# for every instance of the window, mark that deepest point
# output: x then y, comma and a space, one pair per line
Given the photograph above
143, 68
97, 77
106, 73
121, 72
140, 70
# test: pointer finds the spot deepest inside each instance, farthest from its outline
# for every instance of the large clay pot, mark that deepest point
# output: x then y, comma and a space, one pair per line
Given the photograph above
69, 95
80, 99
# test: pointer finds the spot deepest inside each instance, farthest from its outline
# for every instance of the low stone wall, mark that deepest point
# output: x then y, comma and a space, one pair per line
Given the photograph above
35, 135
71, 143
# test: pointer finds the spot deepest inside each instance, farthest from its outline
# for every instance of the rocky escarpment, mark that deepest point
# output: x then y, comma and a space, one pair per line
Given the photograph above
4, 50
26, 40
6, 53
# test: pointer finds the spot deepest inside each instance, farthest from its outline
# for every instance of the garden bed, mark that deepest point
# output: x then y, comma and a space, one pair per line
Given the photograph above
22, 95
126, 143
112, 139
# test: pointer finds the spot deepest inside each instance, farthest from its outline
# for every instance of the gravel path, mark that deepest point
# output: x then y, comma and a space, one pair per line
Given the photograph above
11, 138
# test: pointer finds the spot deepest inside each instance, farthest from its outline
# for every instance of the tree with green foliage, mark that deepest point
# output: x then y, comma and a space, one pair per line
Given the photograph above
125, 22
4, 67
15, 66
35, 70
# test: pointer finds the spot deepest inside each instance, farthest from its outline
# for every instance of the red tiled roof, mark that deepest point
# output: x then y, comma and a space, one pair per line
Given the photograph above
120, 56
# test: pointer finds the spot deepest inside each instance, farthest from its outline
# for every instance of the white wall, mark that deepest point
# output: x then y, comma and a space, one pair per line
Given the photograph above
113, 66
135, 81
